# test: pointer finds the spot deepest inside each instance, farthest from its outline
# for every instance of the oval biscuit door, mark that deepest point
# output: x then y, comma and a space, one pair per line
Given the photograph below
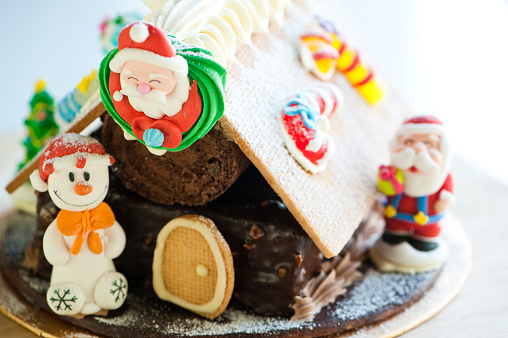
188, 266
193, 266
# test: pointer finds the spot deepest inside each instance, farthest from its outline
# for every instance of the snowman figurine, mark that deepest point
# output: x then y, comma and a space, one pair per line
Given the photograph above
83, 240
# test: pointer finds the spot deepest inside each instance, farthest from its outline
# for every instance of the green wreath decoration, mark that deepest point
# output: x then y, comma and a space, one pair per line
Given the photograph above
203, 68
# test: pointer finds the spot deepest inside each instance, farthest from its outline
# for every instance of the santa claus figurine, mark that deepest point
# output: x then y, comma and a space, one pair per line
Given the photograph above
83, 240
411, 242
150, 87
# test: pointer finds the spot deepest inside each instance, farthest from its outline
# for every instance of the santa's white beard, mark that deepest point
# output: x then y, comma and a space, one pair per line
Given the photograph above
404, 159
430, 176
157, 103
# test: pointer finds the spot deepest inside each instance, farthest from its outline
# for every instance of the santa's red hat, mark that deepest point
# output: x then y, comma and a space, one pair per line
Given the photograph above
145, 42
70, 150
424, 124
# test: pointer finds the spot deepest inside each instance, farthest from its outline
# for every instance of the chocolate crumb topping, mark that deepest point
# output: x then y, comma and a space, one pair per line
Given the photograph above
281, 272
298, 259
256, 232
249, 246
149, 240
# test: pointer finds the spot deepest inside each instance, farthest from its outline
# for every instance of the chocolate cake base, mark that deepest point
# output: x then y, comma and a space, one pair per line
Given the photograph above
376, 297
194, 176
273, 257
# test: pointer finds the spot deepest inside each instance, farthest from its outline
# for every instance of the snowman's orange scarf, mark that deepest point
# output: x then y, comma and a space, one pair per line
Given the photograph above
79, 223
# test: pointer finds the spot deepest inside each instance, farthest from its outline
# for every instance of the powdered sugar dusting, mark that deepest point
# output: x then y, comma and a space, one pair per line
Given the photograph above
231, 321
78, 335
380, 290
373, 294
76, 139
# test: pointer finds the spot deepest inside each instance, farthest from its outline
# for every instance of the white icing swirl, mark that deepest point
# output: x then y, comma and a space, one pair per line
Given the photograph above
278, 9
219, 26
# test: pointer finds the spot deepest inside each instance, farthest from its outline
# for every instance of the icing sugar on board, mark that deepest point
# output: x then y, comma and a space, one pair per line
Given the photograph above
330, 205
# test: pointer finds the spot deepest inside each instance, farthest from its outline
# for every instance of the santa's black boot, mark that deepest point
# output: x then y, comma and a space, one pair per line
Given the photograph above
392, 238
422, 245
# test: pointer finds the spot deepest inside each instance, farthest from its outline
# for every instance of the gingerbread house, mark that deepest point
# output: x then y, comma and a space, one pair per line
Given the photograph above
287, 229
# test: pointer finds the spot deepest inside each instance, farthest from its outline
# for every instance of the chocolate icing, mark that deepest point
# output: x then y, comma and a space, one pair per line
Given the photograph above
194, 176
273, 257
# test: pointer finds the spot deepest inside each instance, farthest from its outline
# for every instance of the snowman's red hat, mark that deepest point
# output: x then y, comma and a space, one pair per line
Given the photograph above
145, 42
72, 150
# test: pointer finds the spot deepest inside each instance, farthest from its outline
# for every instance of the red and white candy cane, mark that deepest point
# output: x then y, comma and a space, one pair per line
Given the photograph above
305, 125
328, 97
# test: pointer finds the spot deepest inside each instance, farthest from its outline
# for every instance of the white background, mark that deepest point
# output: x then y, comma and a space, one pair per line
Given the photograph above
446, 57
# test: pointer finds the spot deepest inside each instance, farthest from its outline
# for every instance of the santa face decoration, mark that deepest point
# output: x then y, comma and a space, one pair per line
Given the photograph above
163, 97
153, 90
422, 190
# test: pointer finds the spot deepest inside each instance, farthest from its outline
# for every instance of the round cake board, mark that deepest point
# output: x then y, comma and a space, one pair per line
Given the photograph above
447, 286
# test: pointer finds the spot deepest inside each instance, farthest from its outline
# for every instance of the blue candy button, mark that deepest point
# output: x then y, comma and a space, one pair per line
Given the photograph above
153, 137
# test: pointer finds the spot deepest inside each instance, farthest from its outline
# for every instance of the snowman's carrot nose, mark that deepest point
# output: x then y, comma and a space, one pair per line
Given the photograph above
82, 188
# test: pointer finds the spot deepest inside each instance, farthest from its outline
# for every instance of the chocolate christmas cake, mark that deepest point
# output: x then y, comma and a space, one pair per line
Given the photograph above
241, 198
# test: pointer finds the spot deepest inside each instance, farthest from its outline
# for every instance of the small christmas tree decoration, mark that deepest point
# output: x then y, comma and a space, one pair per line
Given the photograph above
305, 126
161, 92
85, 237
419, 190
322, 50
40, 124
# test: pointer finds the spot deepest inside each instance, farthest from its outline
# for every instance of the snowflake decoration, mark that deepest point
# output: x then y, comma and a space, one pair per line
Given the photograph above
63, 303
119, 286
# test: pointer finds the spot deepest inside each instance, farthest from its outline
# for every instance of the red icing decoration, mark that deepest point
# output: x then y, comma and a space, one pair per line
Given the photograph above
157, 48
369, 77
66, 145
323, 37
322, 105
354, 63
171, 126
326, 55
342, 48
409, 205
156, 42
301, 135
335, 104
426, 119
81, 162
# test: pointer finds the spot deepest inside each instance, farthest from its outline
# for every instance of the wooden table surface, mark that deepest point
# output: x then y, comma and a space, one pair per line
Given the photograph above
481, 309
